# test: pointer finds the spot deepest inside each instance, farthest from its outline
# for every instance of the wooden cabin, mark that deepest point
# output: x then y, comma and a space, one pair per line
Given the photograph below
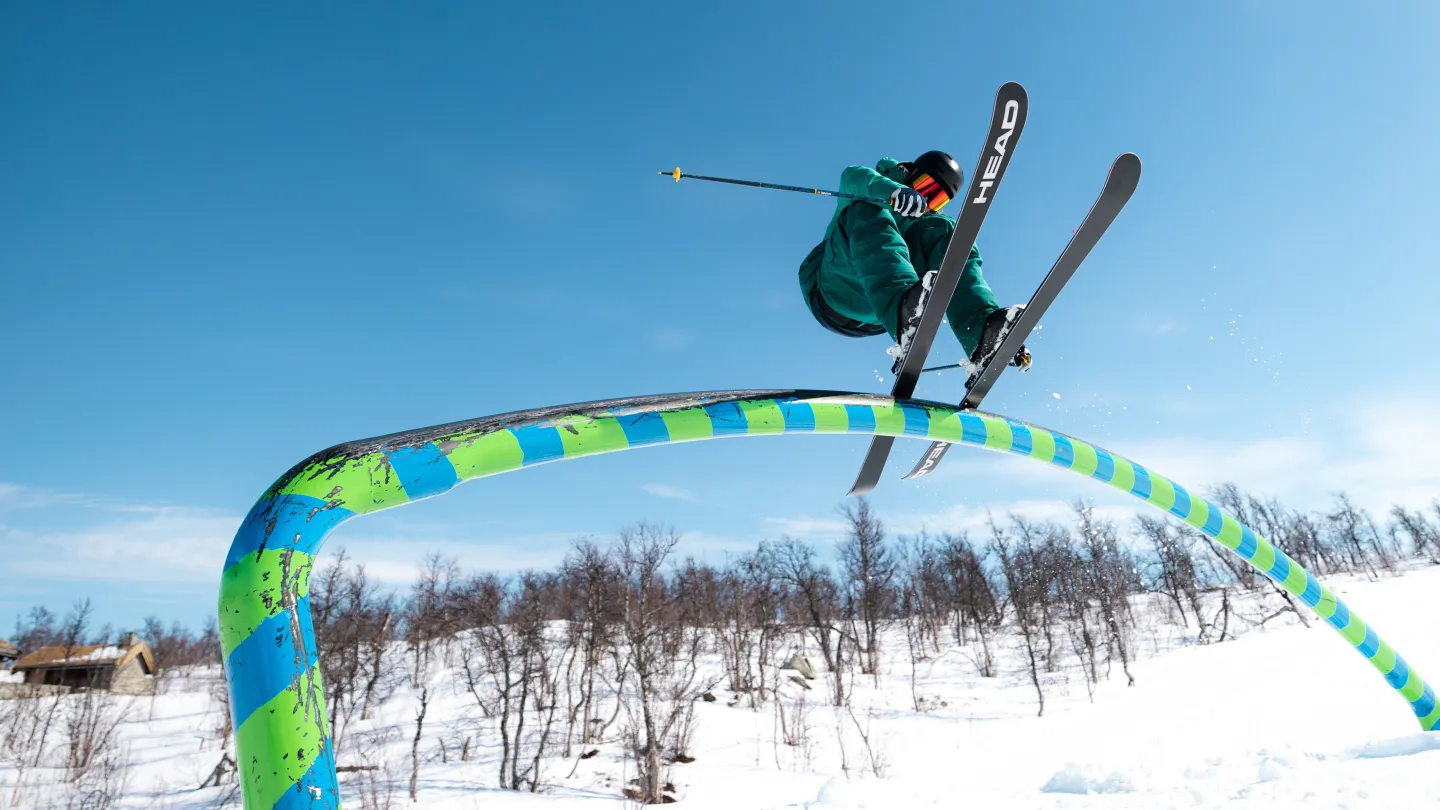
127, 668
8, 653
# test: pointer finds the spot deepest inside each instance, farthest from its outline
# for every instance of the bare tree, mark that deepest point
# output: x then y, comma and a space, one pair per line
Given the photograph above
663, 651
425, 627
1424, 535
1025, 587
1174, 571
816, 598
869, 566
1110, 580
592, 618
974, 606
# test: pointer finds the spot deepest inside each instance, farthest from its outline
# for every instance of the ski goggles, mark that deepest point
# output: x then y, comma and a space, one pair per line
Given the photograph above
931, 190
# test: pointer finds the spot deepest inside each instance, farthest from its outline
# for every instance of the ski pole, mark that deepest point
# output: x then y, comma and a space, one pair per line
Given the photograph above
677, 174
944, 368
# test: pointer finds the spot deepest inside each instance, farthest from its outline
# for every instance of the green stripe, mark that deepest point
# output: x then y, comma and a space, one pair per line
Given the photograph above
252, 591
946, 426
1124, 477
1199, 512
586, 436
279, 742
1414, 686
474, 456
1162, 492
1042, 445
1264, 557
1384, 659
688, 425
1296, 582
362, 485
889, 420
830, 417
763, 417
998, 435
1327, 605
1086, 459
1230, 533
1354, 630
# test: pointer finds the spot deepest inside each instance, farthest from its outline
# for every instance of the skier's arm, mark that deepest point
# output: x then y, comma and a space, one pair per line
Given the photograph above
863, 181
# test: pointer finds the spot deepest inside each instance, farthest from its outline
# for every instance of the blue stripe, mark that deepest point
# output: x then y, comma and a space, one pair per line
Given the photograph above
300, 522
1280, 569
1400, 674
264, 664
917, 420
1341, 617
799, 416
1426, 704
1181, 509
1371, 643
972, 428
1104, 466
321, 775
644, 428
727, 419
1248, 546
1064, 452
424, 471
1311, 596
539, 444
1214, 520
1022, 442
861, 417
1141, 488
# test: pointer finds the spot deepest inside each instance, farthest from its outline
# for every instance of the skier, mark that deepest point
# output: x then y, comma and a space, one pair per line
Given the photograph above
873, 271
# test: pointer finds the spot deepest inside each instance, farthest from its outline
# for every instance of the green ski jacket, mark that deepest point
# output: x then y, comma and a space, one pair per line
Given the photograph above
854, 279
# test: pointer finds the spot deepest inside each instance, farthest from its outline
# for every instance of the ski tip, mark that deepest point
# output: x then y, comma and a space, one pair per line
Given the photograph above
1013, 90
860, 488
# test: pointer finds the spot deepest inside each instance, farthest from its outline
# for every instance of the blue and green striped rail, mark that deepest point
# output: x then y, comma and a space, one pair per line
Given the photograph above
271, 662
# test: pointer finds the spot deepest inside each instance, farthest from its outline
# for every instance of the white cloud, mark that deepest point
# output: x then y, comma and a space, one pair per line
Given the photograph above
167, 544
671, 491
807, 527
1381, 455
20, 496
976, 520
395, 559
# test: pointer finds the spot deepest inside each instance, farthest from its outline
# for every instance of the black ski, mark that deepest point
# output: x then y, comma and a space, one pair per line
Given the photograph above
1119, 185
1006, 123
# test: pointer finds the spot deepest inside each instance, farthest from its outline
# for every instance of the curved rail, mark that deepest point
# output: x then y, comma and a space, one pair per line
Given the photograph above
276, 700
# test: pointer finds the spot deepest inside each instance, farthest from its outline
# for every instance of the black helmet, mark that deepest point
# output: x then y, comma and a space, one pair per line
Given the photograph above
939, 166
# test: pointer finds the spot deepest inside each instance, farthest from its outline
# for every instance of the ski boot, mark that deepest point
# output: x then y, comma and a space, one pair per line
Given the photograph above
912, 307
997, 326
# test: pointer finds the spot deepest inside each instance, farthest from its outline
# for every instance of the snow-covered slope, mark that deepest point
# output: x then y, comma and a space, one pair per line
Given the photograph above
1284, 717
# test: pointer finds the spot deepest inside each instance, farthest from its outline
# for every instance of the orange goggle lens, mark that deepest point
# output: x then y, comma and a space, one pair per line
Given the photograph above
932, 191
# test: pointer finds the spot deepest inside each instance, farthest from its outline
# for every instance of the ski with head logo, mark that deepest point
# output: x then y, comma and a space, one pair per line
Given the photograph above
1119, 185
1006, 123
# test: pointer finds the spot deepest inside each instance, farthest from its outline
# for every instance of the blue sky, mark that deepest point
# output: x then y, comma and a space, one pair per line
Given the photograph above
232, 239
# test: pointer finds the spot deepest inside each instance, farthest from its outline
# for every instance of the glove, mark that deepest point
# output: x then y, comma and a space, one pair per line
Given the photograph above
907, 202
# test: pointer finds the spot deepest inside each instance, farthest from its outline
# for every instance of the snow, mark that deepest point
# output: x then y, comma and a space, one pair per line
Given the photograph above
98, 654
1284, 717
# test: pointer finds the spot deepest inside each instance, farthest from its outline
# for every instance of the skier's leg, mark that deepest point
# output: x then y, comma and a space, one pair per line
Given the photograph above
972, 303
929, 239
882, 259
